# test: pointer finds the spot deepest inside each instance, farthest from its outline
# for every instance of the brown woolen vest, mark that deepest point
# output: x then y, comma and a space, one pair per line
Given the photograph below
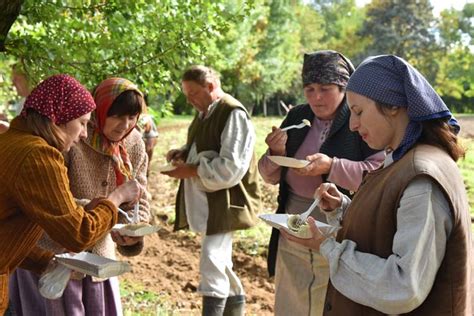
371, 219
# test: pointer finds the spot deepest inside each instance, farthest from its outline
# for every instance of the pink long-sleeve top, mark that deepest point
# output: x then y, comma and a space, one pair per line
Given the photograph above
344, 173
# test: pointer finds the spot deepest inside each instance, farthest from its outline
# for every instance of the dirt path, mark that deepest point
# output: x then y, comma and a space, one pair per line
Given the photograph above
169, 266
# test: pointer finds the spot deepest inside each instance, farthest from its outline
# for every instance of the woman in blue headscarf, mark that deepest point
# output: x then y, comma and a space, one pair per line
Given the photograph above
404, 245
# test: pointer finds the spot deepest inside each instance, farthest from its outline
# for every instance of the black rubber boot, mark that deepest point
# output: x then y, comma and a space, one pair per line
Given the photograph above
213, 306
235, 306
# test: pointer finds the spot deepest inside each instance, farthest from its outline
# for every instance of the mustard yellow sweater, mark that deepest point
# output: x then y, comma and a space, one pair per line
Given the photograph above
35, 197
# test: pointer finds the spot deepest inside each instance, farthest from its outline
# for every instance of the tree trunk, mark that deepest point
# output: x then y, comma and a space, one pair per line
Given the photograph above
278, 106
9, 11
264, 106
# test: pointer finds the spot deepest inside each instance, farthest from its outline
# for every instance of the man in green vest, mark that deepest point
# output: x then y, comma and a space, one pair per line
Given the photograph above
219, 191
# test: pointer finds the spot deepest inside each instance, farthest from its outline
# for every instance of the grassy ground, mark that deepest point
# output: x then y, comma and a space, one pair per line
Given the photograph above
467, 169
178, 125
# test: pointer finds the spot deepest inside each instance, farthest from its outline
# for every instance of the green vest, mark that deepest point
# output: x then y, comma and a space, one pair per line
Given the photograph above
229, 209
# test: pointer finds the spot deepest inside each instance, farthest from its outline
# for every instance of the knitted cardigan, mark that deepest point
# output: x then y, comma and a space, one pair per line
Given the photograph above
91, 175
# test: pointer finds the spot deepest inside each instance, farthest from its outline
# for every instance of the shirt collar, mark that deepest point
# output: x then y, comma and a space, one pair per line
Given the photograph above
210, 109
388, 159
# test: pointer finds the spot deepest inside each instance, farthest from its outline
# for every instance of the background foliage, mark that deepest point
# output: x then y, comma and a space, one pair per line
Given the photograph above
256, 45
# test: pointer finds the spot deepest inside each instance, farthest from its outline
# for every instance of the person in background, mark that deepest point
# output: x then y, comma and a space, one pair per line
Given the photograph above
35, 196
150, 136
112, 154
219, 191
22, 86
335, 153
405, 242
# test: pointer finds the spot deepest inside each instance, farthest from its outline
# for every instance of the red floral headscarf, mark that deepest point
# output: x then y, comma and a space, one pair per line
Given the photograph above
61, 98
104, 95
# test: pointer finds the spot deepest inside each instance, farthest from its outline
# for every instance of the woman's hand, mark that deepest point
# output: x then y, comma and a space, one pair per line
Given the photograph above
319, 164
314, 242
276, 141
130, 191
330, 196
125, 240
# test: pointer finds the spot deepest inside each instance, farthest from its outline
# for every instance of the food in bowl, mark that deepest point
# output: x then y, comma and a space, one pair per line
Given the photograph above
300, 230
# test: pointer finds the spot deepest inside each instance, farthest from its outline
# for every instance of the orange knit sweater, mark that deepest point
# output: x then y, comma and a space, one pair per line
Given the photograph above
35, 197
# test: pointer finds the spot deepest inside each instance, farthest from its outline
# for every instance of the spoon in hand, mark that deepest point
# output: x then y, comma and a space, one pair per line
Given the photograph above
304, 123
129, 219
305, 215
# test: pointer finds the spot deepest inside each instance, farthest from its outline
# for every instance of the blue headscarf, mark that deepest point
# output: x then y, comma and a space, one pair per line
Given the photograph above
390, 80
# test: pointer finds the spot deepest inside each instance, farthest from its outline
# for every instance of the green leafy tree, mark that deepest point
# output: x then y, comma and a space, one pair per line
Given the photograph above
147, 42
342, 20
279, 54
403, 28
234, 53
260, 56
312, 27
455, 78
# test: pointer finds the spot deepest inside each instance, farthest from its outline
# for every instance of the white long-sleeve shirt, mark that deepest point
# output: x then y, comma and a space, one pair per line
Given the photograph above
401, 282
218, 170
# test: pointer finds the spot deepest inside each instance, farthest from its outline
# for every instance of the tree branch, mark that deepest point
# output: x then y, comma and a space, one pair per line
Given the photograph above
9, 11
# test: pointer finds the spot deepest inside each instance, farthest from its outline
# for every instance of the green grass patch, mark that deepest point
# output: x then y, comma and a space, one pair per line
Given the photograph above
467, 170
174, 120
173, 132
263, 126
253, 241
136, 300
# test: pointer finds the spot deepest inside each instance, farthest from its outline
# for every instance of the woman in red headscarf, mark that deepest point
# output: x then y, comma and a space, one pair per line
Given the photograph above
112, 154
35, 194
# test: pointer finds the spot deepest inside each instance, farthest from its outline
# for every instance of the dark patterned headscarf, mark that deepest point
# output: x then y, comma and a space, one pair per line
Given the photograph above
326, 67
390, 80
61, 98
